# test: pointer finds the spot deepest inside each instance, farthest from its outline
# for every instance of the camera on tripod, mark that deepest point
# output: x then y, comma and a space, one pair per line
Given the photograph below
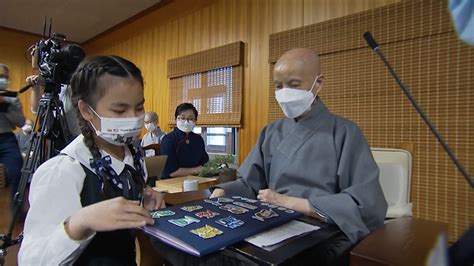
53, 63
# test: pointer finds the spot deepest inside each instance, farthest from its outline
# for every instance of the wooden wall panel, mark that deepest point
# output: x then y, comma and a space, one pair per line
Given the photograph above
184, 27
12, 53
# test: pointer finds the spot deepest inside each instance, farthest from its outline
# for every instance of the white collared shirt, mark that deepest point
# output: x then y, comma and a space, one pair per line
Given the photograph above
153, 137
55, 195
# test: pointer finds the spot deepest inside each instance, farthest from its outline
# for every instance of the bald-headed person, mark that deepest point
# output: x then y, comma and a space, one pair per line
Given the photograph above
313, 161
154, 134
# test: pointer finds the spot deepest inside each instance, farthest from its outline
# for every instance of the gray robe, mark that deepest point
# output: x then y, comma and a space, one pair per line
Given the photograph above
323, 158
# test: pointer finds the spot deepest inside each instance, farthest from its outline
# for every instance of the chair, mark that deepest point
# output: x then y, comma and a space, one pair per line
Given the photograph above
395, 177
404, 240
155, 165
152, 149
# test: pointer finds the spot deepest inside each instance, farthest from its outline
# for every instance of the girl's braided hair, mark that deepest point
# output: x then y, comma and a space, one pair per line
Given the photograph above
88, 85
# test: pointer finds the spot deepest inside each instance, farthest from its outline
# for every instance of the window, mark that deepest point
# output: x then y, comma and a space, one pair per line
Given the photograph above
212, 81
221, 140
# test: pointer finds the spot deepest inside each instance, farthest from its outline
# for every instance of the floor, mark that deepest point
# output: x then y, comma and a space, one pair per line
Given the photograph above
5, 220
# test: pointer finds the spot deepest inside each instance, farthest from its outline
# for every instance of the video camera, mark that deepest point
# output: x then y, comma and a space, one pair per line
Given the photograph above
55, 62
46, 57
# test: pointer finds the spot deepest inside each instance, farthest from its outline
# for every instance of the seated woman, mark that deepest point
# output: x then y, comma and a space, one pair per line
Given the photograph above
185, 149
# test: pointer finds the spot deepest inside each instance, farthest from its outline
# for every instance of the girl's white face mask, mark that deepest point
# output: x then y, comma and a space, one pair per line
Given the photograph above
295, 102
118, 131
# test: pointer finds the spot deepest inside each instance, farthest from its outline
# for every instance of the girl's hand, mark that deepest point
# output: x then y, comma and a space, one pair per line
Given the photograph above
152, 200
108, 215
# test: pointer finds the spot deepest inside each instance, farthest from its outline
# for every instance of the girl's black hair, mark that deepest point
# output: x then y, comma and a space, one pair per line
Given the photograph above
86, 85
184, 107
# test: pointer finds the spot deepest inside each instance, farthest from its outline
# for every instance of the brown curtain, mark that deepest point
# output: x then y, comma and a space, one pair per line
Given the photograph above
211, 80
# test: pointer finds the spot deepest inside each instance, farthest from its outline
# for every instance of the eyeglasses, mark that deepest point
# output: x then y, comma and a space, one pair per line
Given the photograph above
182, 119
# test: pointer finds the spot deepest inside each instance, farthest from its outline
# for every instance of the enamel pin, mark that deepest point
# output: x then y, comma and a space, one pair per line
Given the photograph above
206, 232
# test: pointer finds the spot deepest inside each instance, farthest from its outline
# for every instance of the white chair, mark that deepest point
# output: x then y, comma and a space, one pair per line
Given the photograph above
395, 178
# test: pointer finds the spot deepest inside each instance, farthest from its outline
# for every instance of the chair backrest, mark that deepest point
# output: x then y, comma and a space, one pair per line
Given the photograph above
155, 165
152, 150
395, 178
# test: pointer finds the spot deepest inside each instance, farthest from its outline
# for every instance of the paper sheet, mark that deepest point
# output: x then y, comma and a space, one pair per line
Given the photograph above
283, 232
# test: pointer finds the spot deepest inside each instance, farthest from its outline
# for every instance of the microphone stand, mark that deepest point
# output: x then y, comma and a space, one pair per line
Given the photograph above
375, 46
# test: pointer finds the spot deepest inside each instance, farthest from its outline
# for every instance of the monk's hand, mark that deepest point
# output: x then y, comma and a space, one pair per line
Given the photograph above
218, 192
272, 197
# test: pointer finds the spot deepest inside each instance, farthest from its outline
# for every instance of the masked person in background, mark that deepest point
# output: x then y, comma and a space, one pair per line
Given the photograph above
24, 137
154, 135
11, 117
185, 149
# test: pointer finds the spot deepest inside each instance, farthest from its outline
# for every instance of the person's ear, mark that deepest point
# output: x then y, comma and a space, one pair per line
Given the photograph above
85, 110
319, 83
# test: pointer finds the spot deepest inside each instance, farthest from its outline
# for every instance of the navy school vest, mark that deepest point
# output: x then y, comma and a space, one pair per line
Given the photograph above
114, 247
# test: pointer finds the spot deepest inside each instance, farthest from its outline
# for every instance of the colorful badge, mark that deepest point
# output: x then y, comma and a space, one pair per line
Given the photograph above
187, 220
249, 200
159, 214
206, 214
224, 200
215, 203
245, 205
206, 232
191, 208
230, 222
233, 209
264, 214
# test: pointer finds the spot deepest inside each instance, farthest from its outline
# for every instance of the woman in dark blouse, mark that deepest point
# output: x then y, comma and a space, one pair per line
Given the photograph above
185, 149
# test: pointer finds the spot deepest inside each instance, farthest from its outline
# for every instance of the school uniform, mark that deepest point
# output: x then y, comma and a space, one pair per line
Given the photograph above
62, 186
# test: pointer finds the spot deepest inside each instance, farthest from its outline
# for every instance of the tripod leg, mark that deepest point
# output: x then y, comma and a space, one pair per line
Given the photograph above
42, 148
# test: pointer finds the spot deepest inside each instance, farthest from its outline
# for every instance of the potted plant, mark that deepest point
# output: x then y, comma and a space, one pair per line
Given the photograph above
219, 166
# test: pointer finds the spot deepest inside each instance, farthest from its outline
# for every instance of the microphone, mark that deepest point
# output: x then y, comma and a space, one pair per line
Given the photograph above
374, 45
370, 41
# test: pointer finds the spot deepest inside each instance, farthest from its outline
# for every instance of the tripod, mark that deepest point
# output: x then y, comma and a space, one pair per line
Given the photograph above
52, 135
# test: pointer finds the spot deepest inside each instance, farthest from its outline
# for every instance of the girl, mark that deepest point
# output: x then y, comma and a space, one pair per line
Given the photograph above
85, 202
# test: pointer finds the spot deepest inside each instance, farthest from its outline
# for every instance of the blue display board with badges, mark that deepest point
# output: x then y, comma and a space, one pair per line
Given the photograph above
202, 227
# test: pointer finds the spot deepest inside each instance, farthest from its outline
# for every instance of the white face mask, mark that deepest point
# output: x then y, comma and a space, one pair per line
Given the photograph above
119, 131
27, 128
150, 127
295, 102
463, 20
3, 83
185, 126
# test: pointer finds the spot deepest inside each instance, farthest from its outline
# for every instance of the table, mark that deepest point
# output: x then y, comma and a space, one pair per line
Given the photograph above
175, 185
401, 241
